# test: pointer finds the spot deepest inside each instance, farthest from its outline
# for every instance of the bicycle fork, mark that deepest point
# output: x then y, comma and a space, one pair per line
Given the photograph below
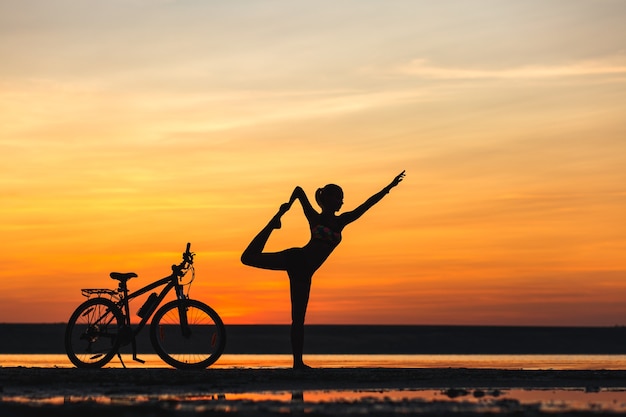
184, 322
182, 313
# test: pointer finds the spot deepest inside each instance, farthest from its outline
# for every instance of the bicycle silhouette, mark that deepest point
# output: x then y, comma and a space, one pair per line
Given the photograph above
185, 333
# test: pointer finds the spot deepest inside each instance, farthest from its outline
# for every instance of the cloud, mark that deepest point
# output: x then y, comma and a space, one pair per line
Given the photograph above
425, 69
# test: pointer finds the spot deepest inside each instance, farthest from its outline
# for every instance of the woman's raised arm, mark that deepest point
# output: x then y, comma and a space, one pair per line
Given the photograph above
299, 194
351, 216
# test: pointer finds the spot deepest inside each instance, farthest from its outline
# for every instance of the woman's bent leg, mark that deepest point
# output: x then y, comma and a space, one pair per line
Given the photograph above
253, 255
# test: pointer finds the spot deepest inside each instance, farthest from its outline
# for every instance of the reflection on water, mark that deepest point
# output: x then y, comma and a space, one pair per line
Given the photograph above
474, 401
527, 362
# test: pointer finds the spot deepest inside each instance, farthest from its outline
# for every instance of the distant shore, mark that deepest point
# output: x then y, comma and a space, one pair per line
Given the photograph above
364, 339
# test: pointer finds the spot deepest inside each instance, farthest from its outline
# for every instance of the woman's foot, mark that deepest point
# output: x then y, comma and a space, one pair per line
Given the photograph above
275, 222
301, 365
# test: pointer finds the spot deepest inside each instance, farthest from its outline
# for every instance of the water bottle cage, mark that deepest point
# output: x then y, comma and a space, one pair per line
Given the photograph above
148, 307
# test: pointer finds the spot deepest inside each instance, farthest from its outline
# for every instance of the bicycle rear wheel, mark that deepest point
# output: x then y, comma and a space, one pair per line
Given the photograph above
91, 335
194, 345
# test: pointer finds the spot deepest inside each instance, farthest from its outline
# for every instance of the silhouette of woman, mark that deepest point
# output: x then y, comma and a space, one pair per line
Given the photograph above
301, 263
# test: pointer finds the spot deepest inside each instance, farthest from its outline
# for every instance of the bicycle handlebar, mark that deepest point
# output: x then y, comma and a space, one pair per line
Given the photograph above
187, 261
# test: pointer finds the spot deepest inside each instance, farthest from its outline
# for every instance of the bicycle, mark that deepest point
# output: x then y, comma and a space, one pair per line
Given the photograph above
185, 333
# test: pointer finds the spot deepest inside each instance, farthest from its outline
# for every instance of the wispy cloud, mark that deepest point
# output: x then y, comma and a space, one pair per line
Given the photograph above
424, 68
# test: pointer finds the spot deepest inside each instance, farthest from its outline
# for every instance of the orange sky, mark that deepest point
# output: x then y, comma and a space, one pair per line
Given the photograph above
129, 128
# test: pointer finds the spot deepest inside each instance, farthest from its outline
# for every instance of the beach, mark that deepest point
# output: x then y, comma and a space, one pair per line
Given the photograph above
342, 388
239, 392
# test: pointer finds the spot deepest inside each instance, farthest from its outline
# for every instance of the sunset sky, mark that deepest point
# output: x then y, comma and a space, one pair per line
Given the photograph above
129, 128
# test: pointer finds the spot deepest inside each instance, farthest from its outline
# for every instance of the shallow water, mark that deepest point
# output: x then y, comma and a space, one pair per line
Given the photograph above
526, 362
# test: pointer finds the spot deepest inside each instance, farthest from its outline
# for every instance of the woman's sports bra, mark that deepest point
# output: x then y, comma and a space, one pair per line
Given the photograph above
325, 234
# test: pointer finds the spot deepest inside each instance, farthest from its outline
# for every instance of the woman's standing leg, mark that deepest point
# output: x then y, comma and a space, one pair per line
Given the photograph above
300, 288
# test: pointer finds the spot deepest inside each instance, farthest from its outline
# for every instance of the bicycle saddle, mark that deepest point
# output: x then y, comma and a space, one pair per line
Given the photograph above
123, 276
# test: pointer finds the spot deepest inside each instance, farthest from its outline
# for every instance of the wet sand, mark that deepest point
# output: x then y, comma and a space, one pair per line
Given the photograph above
86, 381
24, 390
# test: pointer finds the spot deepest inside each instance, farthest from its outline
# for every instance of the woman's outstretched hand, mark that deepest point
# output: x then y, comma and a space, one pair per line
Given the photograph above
397, 180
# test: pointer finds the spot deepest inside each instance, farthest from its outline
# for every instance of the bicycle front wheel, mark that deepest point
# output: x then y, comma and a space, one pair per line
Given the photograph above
91, 335
188, 334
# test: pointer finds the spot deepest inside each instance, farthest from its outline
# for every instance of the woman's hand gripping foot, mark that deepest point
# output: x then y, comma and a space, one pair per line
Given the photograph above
275, 222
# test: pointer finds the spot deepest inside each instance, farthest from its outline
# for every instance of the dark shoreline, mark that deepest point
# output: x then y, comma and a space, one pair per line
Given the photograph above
365, 339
